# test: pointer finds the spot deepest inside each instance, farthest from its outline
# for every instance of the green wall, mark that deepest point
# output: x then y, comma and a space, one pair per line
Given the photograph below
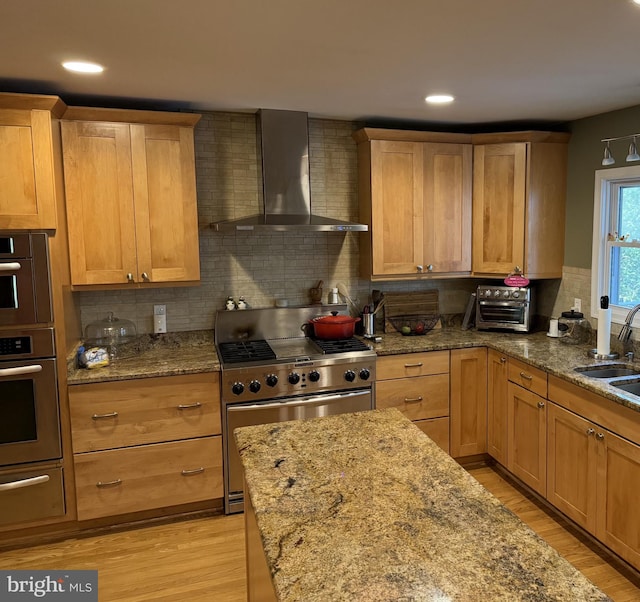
585, 157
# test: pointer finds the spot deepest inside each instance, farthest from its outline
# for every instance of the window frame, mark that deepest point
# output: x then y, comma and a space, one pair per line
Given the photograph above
606, 181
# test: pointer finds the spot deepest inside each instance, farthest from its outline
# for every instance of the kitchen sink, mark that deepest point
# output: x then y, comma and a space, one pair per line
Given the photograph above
608, 371
632, 387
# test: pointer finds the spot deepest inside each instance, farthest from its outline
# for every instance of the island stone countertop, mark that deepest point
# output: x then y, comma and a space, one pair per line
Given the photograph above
366, 507
194, 351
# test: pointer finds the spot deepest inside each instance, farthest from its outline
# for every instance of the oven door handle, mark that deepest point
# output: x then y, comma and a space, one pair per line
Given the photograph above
243, 407
20, 370
10, 266
24, 483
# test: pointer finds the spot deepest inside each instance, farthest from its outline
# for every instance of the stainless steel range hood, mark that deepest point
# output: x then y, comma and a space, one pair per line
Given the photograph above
283, 137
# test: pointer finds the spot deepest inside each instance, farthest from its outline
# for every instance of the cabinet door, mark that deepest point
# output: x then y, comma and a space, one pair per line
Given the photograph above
499, 187
447, 207
571, 466
165, 203
99, 192
468, 419
27, 189
396, 206
497, 406
527, 437
618, 523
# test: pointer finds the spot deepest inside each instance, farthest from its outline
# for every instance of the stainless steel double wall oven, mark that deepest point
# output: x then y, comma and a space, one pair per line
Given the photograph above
31, 482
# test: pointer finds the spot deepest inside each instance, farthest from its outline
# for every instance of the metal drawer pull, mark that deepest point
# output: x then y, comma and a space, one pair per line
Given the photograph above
189, 406
103, 484
600, 436
526, 376
418, 365
541, 404
21, 370
590, 431
11, 266
412, 399
189, 473
101, 416
24, 483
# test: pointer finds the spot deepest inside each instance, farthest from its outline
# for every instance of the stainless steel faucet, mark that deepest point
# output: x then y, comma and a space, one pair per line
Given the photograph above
625, 332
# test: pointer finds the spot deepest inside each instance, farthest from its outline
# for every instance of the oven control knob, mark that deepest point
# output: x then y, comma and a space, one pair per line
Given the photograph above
272, 380
237, 388
314, 376
350, 376
516, 294
254, 386
365, 374
496, 293
294, 378
505, 294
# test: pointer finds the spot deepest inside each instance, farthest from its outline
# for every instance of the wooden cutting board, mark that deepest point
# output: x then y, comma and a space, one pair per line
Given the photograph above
422, 303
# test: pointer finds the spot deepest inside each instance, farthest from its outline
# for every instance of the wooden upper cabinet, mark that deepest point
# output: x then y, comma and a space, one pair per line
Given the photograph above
27, 161
415, 194
131, 200
519, 190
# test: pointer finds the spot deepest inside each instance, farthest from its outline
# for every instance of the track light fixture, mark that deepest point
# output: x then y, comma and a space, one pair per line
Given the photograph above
632, 155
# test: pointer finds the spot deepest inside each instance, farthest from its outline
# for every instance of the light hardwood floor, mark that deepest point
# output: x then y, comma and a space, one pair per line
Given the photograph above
203, 560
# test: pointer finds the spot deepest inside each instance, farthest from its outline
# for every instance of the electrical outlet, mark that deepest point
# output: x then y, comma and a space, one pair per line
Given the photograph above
577, 304
159, 319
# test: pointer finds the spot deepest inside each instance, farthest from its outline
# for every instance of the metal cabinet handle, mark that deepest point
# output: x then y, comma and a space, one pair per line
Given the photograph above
10, 266
24, 482
430, 268
418, 365
600, 436
413, 399
103, 484
130, 277
101, 416
590, 431
541, 404
145, 276
189, 406
526, 376
503, 360
21, 370
190, 473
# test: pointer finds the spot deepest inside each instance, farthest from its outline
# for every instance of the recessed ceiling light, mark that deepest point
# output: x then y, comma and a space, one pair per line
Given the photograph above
83, 67
440, 99
636, 1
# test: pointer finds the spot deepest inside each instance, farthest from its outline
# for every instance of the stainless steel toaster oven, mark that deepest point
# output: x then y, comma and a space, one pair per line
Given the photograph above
504, 308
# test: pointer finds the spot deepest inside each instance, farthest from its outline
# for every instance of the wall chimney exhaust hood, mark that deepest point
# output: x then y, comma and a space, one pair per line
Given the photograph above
283, 137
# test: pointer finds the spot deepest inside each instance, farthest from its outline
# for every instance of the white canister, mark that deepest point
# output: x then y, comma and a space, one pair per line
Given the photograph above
553, 328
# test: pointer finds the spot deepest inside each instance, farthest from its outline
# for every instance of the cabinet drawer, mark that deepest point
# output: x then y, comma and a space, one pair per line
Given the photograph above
417, 398
528, 377
42, 498
412, 364
437, 429
135, 412
146, 477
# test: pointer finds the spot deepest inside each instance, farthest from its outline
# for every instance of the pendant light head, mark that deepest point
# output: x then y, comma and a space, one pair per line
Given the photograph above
608, 158
633, 151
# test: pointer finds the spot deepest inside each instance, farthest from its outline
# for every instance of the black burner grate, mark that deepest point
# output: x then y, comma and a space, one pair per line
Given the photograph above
246, 351
341, 346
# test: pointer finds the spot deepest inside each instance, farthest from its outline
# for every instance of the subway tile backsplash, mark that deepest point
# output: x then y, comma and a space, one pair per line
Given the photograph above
264, 268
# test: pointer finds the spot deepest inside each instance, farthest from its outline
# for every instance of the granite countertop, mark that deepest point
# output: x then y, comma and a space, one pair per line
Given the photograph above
194, 351
366, 507
153, 355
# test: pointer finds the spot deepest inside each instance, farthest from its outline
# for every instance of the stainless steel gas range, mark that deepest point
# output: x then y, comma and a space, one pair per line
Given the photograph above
271, 371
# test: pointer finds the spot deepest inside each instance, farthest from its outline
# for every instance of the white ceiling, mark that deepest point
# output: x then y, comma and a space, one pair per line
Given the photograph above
504, 60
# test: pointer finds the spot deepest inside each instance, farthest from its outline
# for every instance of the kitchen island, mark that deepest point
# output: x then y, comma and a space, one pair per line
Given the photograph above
366, 507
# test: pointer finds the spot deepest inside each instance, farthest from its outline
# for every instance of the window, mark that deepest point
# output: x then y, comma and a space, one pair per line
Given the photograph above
616, 240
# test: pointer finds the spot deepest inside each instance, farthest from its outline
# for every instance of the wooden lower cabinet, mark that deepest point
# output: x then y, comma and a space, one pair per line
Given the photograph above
468, 402
497, 379
145, 444
527, 437
417, 384
151, 476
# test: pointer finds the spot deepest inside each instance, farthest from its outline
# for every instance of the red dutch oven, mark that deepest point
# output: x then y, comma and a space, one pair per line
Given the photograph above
334, 326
